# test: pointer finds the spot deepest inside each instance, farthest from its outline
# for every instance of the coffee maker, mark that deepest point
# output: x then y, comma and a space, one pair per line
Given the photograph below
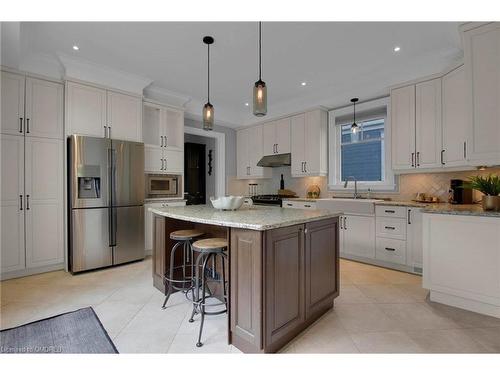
460, 194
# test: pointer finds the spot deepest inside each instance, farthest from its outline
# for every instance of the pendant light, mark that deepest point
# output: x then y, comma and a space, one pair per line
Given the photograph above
260, 89
354, 126
208, 109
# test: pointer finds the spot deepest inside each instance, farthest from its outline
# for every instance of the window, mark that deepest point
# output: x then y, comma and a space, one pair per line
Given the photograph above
364, 155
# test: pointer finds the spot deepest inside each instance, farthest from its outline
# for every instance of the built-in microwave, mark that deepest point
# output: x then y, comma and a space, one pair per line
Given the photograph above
162, 185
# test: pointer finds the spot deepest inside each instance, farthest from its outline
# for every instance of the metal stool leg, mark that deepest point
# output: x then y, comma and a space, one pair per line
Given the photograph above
223, 260
168, 291
202, 304
196, 283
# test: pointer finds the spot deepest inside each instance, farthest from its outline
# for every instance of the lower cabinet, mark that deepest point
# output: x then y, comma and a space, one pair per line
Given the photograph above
357, 236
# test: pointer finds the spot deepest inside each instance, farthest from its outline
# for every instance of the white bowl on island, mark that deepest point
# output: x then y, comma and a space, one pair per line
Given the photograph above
227, 203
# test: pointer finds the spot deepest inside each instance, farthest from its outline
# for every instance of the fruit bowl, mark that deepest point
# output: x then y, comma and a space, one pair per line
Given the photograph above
227, 203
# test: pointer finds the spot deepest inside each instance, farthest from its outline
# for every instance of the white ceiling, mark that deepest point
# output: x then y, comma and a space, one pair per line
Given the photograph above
337, 60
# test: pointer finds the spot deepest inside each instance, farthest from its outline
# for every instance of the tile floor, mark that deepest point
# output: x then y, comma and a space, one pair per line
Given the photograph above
378, 311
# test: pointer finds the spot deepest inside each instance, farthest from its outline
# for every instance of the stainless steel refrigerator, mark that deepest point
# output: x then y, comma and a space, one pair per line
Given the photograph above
106, 202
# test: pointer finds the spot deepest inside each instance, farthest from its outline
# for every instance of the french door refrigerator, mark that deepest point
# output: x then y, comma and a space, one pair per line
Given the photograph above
106, 202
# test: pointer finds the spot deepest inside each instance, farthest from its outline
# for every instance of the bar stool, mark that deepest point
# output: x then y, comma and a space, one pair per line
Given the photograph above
210, 248
183, 237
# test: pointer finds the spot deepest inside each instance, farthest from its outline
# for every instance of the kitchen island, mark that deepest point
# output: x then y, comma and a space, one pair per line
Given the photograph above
283, 267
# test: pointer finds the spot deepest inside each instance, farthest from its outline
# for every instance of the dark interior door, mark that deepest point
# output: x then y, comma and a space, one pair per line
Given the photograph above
194, 173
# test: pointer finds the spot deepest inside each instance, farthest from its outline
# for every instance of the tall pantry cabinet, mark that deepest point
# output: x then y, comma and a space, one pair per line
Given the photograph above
32, 205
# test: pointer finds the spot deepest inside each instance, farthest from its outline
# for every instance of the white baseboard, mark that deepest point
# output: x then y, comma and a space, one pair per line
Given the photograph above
466, 304
31, 271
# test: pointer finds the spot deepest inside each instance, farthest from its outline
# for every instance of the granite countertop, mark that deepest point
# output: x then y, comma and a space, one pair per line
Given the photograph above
177, 199
459, 209
403, 203
247, 217
299, 199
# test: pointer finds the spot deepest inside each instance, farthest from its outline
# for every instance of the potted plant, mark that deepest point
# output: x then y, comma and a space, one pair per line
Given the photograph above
490, 187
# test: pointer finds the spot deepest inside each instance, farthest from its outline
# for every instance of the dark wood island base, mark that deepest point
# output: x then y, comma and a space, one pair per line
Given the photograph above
280, 280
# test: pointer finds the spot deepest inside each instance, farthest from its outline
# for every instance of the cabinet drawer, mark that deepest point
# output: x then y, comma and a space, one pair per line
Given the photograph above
300, 205
391, 211
390, 250
391, 227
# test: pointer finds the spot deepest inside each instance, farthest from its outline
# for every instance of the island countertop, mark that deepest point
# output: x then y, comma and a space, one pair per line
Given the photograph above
459, 209
247, 217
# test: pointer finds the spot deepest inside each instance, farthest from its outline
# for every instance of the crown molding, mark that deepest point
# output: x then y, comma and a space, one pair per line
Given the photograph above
164, 96
88, 71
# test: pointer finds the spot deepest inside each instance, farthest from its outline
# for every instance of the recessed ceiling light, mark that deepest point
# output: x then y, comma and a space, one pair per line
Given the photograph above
397, 49
76, 48
304, 83
247, 104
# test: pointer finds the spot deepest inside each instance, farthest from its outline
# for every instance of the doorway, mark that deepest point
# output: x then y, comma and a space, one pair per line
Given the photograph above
194, 173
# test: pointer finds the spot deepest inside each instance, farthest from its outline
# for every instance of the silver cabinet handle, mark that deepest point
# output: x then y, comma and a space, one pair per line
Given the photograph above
161, 140
109, 131
305, 166
161, 164
277, 149
341, 218
20, 124
27, 125
390, 249
20, 202
391, 228
27, 201
345, 222
418, 158
413, 159
166, 166
409, 216
390, 211
442, 157
465, 150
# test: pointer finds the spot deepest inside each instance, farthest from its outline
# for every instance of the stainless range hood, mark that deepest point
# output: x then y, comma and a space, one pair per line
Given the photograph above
278, 160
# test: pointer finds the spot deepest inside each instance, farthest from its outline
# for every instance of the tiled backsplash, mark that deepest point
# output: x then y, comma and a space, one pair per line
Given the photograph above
433, 184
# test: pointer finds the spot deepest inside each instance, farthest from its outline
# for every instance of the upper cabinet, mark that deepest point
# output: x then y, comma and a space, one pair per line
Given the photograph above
163, 126
482, 65
249, 147
31, 106
456, 118
309, 143
277, 137
403, 127
97, 112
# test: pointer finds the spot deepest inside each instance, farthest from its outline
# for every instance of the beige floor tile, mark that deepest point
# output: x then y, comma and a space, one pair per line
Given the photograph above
397, 277
144, 341
365, 317
385, 342
489, 337
414, 291
415, 316
446, 341
212, 343
351, 294
383, 293
17, 313
370, 277
116, 315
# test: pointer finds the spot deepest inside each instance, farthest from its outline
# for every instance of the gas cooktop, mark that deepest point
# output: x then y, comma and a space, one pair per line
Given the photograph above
270, 199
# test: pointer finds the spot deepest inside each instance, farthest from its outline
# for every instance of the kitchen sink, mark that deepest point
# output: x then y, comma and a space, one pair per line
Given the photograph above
360, 206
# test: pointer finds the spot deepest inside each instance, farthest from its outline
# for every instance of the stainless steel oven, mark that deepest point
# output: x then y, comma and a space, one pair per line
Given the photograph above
162, 185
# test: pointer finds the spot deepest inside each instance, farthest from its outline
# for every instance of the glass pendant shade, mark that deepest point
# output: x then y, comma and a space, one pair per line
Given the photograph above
260, 98
208, 116
354, 128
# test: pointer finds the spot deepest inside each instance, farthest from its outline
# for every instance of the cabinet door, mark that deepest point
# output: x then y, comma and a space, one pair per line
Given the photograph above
414, 238
284, 286
44, 108
456, 118
255, 153
315, 137
153, 124
124, 116
12, 203
174, 161
153, 159
283, 136
428, 124
359, 236
44, 202
12, 103
403, 127
174, 128
269, 138
85, 110
482, 60
321, 271
297, 144
242, 154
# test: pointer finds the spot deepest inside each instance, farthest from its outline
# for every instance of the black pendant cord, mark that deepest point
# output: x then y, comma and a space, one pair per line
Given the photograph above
260, 51
354, 112
208, 73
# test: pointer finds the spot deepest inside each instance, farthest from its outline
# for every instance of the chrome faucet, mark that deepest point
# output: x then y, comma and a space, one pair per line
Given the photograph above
355, 185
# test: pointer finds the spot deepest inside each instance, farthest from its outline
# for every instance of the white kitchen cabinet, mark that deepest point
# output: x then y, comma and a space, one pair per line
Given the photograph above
309, 144
357, 235
85, 110
403, 127
276, 137
160, 160
124, 116
44, 202
12, 103
44, 108
482, 64
148, 219
174, 161
414, 238
249, 149
428, 131
12, 203
456, 118
163, 126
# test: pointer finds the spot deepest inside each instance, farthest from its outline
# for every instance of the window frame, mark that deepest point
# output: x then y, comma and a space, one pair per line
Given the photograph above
363, 110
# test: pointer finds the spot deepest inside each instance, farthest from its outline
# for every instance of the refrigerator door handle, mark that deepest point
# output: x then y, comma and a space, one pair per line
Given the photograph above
112, 227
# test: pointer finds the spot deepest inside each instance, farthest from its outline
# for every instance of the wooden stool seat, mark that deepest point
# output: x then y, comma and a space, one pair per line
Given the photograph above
185, 234
210, 244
